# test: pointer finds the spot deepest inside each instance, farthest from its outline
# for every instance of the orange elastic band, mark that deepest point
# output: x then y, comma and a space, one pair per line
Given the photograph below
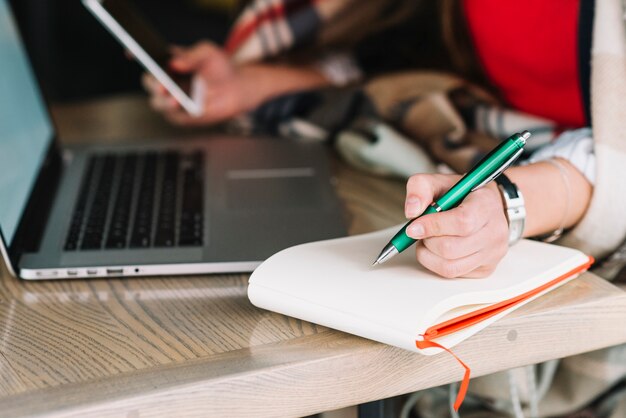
472, 318
460, 396
475, 317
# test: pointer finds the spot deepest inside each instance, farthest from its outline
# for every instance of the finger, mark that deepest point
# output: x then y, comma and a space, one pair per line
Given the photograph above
188, 60
466, 219
152, 85
422, 189
178, 117
461, 267
181, 117
147, 81
461, 221
453, 248
480, 272
217, 108
164, 103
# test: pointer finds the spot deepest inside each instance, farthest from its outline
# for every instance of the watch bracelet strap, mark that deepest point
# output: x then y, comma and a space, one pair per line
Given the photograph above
515, 209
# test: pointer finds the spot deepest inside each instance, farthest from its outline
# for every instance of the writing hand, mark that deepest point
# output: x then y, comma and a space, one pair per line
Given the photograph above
466, 241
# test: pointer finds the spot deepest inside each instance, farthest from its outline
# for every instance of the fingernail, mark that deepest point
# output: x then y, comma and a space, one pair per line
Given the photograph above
412, 207
415, 231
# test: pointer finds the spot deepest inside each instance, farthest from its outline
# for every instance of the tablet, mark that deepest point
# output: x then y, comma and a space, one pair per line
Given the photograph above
127, 25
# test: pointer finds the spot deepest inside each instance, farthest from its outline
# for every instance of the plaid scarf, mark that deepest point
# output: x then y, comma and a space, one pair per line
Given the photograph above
268, 28
455, 121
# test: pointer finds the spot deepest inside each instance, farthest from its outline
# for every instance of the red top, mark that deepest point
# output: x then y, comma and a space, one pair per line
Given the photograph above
529, 50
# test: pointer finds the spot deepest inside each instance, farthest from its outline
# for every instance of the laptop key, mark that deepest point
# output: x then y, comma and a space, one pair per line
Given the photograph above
165, 233
102, 218
142, 229
78, 216
119, 222
94, 233
191, 219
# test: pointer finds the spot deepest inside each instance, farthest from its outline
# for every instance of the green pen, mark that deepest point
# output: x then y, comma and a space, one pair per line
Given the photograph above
490, 167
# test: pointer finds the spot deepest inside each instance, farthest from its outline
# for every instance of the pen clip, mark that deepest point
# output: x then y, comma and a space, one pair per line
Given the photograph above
499, 170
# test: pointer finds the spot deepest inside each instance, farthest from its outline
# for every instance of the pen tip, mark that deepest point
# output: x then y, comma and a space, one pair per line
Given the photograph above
387, 252
375, 263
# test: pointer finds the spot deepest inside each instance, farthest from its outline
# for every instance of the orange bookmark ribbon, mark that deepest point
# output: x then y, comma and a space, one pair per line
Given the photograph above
460, 396
472, 318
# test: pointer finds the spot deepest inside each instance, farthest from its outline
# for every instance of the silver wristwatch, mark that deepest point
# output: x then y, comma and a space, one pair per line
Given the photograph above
514, 206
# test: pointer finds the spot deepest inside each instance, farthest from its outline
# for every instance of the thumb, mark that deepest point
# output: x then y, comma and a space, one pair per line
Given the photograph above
423, 189
188, 60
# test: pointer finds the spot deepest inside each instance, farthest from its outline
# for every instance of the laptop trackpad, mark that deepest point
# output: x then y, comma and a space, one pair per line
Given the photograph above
273, 188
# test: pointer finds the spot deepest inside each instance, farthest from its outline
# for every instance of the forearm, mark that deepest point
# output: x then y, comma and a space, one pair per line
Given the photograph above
547, 198
266, 81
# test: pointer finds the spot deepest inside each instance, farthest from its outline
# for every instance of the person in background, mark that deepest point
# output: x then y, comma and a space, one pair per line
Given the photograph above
536, 57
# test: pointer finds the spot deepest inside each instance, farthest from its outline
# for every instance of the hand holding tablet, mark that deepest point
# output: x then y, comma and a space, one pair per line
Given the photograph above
226, 89
128, 26
201, 84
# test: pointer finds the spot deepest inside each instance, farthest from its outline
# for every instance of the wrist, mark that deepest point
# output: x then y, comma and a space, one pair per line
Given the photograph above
255, 85
265, 81
545, 196
514, 207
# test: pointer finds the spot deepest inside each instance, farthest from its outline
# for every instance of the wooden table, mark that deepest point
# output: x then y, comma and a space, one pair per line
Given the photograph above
195, 345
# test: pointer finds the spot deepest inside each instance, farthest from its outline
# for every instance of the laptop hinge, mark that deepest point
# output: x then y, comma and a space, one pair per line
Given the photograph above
32, 225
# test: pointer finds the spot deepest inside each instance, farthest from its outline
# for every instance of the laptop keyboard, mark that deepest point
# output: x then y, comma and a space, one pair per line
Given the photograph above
139, 200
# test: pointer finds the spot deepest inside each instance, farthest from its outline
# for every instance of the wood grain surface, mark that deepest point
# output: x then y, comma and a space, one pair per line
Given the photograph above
195, 346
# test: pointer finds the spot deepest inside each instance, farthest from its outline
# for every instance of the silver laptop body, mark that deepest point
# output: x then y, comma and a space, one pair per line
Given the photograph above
209, 205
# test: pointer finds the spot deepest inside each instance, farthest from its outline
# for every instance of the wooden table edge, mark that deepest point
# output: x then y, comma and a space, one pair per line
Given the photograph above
312, 360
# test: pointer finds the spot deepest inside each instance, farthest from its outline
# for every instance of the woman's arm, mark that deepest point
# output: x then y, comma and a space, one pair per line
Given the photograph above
230, 89
550, 202
471, 239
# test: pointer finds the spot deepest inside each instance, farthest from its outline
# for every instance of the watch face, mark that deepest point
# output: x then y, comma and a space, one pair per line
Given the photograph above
510, 187
515, 210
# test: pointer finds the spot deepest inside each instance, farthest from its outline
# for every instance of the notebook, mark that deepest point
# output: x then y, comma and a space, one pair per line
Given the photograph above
333, 283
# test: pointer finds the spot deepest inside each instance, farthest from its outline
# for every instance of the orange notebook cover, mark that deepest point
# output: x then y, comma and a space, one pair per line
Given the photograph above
332, 283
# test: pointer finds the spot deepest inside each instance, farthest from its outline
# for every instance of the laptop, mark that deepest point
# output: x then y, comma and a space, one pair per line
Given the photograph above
182, 206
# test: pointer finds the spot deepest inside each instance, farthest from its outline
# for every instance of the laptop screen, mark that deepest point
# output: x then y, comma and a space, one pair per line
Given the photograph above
26, 130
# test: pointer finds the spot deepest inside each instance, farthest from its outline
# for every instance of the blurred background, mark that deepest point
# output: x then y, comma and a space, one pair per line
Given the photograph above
76, 58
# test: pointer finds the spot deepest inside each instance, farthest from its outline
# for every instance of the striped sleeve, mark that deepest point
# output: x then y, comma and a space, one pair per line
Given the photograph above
575, 146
